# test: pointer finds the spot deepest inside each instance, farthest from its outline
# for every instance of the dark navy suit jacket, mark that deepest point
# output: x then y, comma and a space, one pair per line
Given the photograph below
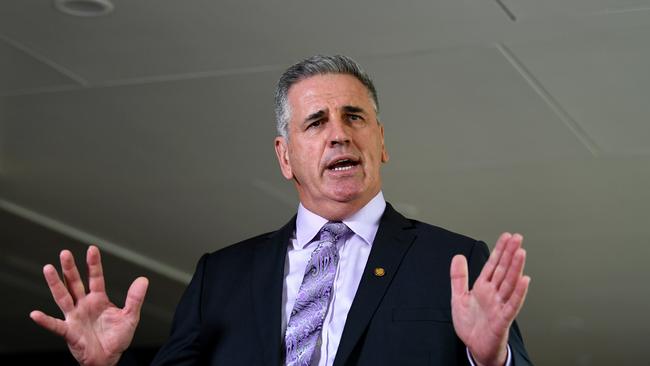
230, 313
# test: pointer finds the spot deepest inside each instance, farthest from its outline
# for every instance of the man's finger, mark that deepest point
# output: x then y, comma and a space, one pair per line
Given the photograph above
54, 325
459, 276
516, 301
493, 260
59, 292
135, 296
511, 247
95, 270
71, 276
515, 271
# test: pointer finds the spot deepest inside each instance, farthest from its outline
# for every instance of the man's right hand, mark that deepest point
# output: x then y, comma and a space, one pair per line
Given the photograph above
97, 331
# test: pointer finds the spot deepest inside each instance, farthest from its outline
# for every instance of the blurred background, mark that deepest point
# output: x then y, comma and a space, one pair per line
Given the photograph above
147, 129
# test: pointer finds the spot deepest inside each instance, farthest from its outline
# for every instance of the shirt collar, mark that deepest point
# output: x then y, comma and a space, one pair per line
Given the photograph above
363, 223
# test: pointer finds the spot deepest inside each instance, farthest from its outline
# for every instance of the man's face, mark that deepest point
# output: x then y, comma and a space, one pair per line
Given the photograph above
335, 146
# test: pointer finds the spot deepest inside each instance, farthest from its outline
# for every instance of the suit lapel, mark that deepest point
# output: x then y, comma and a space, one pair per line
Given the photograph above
391, 243
267, 283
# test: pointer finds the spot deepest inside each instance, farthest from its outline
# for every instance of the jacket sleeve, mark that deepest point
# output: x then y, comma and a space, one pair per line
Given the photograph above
184, 344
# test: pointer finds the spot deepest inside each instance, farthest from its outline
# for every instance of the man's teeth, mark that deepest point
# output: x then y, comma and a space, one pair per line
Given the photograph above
340, 168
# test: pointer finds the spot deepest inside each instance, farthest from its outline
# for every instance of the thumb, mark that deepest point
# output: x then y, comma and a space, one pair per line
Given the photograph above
135, 296
459, 276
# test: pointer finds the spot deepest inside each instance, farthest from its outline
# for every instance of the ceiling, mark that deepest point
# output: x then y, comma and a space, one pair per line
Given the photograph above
149, 133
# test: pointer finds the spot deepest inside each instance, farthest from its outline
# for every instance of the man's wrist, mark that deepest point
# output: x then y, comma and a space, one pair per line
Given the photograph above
474, 362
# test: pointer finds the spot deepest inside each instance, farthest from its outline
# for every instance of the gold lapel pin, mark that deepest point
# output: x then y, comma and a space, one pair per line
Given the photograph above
380, 272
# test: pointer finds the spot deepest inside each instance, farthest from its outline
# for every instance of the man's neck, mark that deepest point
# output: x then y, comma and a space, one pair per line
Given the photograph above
363, 223
337, 211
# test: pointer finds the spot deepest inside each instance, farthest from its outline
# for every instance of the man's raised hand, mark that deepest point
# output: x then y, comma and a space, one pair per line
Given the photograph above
97, 331
482, 316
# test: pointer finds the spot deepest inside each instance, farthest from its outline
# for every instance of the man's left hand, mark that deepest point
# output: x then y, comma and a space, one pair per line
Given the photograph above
482, 316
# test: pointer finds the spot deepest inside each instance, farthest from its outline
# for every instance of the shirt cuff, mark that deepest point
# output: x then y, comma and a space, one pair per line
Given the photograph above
508, 358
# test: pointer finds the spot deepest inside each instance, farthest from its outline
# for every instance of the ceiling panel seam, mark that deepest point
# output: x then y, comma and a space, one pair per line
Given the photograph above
555, 106
621, 11
42, 90
152, 80
59, 68
189, 76
115, 249
509, 13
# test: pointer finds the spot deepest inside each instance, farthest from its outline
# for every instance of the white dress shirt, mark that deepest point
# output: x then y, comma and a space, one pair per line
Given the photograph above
353, 255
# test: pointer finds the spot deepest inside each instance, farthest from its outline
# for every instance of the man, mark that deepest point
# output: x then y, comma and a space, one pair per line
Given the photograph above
348, 281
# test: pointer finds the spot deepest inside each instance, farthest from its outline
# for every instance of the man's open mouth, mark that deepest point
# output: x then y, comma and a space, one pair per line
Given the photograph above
342, 165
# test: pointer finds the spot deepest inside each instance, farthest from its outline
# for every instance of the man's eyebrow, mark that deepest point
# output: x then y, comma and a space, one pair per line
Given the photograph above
353, 109
315, 115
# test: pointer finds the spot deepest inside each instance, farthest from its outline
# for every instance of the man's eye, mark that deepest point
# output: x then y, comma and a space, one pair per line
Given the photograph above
354, 117
314, 124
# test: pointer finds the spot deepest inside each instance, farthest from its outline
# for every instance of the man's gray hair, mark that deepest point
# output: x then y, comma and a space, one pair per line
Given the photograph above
316, 65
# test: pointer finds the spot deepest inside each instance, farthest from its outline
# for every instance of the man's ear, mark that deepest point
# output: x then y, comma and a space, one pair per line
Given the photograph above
282, 152
384, 153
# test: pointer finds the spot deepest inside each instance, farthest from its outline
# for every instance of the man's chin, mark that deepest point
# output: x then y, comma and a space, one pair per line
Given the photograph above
346, 194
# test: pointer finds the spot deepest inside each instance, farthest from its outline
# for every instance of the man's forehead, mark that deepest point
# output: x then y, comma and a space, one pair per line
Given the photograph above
319, 91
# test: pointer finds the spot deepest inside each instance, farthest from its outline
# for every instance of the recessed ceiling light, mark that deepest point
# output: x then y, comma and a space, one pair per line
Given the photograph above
84, 8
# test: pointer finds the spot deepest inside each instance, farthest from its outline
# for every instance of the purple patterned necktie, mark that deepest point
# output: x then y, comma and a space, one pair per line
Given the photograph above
309, 310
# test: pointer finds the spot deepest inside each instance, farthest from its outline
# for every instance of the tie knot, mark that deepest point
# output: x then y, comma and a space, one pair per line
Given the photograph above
335, 230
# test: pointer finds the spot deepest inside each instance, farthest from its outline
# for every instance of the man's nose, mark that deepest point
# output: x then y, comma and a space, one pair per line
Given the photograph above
339, 132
